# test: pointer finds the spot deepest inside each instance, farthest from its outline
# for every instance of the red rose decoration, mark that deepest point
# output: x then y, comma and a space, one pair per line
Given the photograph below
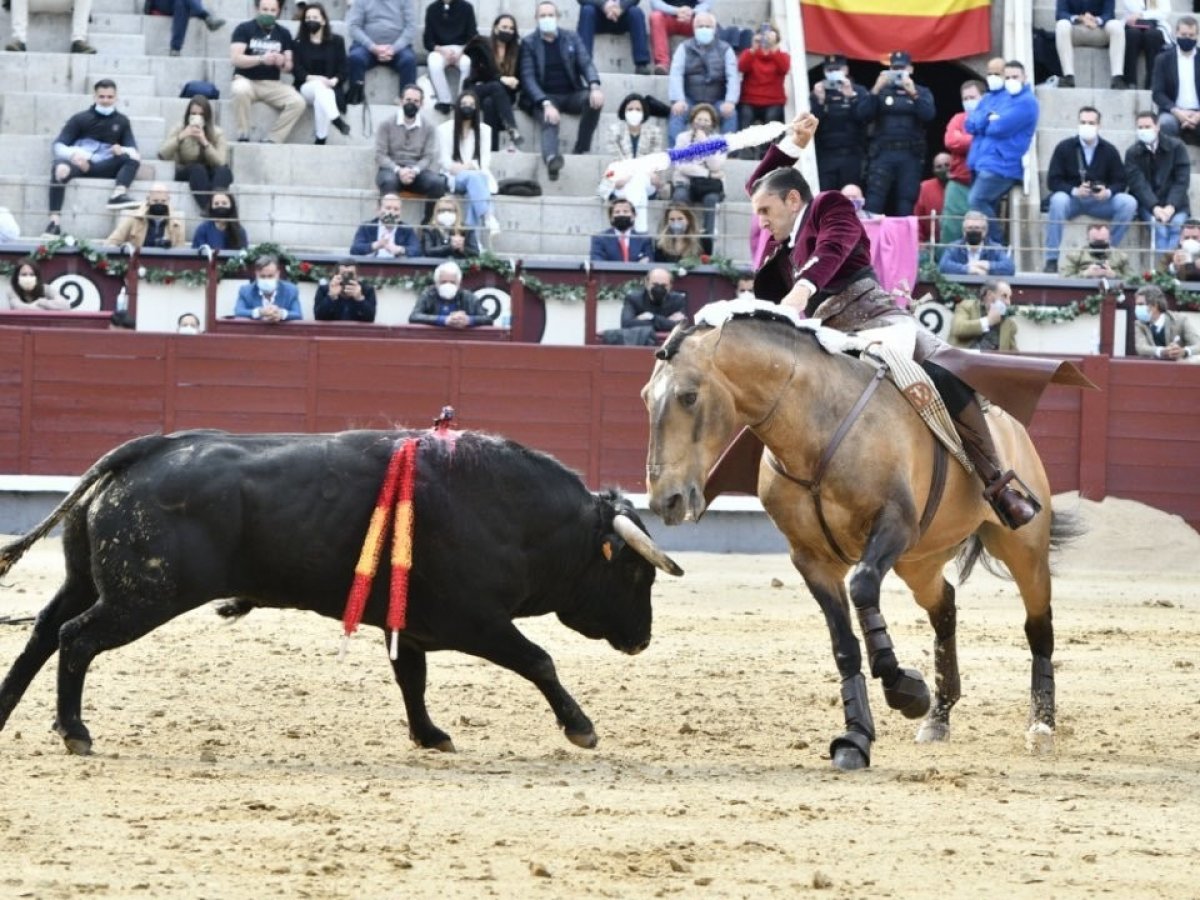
102, 265
1147, 275
705, 259
41, 250
169, 279
305, 268
474, 268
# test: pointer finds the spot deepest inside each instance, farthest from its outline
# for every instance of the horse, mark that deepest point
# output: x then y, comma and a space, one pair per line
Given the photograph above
853, 492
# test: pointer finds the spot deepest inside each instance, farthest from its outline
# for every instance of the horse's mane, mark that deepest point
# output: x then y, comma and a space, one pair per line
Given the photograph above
779, 333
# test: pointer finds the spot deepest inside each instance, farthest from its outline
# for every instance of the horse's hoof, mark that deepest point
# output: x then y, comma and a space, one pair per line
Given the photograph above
446, 746
78, 746
1039, 739
909, 694
587, 740
933, 731
850, 751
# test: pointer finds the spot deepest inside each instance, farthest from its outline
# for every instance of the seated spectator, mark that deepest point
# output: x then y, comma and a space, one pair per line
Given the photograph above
974, 254
1182, 262
406, 150
198, 148
744, 286
704, 69
152, 225
267, 298
385, 236
1177, 98
621, 243
854, 194
840, 106
188, 323
449, 24
764, 68
320, 71
700, 182
655, 304
1147, 26
382, 33
899, 110
557, 76
9, 229
261, 51
221, 230
958, 145
631, 136
1086, 177
465, 156
1098, 259
931, 198
446, 304
679, 237
28, 290
495, 77
447, 235
1089, 23
81, 16
345, 298
95, 143
181, 11
983, 322
616, 17
668, 19
1160, 333
1158, 172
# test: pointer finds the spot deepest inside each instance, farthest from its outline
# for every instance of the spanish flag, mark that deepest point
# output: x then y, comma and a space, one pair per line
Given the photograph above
871, 29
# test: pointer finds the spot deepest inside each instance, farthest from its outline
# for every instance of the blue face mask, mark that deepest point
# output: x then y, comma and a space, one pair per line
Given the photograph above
104, 110
970, 105
1142, 311
268, 285
704, 35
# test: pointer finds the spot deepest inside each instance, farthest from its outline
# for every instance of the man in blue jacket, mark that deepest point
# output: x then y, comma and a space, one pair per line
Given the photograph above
974, 254
1002, 127
385, 236
267, 298
621, 243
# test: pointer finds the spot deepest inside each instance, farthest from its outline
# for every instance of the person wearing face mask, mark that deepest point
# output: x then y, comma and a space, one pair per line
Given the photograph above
931, 198
700, 182
261, 51
1160, 333
678, 237
465, 150
973, 253
181, 13
449, 24
764, 67
406, 150
557, 76
1089, 23
188, 323
268, 298
446, 235
1175, 85
95, 143
621, 243
655, 304
152, 225
382, 33
631, 136
671, 18
319, 71
1098, 259
1002, 127
1159, 173
854, 194
1183, 261
704, 69
345, 297
222, 230
958, 144
445, 304
494, 77
1147, 28
27, 289
616, 17
385, 236
1086, 177
199, 150
984, 322
840, 106
900, 109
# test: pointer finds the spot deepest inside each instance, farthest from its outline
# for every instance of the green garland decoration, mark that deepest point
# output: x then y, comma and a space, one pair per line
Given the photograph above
99, 260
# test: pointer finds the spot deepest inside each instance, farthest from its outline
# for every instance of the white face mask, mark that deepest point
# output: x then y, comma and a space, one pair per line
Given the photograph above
104, 110
446, 219
268, 285
447, 290
548, 24
1190, 246
970, 105
995, 82
633, 117
1088, 132
1147, 135
1013, 85
27, 282
188, 329
704, 35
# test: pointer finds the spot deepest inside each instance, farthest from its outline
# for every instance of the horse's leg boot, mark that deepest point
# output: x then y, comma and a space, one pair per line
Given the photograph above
1014, 508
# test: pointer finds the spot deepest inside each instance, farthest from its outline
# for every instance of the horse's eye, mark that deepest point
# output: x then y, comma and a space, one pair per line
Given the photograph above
687, 399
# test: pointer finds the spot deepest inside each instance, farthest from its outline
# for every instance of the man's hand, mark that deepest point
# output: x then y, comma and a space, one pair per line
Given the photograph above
1087, 20
1099, 270
353, 290
819, 91
406, 174
884, 79
1181, 258
118, 150
457, 242
1164, 213
679, 107
804, 126
596, 97
612, 10
995, 315
550, 114
1174, 351
979, 267
646, 316
335, 288
727, 109
677, 317
458, 319
797, 298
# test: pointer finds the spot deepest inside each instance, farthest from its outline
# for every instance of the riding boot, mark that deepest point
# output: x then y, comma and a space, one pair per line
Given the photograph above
1010, 505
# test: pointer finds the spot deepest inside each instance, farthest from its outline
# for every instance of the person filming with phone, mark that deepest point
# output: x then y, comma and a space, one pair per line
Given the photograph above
900, 109
840, 106
764, 66
344, 298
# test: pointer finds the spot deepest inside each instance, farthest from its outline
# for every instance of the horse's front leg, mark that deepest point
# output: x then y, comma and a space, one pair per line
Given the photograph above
904, 689
852, 749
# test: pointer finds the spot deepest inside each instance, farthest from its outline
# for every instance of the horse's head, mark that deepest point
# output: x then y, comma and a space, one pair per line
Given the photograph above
692, 418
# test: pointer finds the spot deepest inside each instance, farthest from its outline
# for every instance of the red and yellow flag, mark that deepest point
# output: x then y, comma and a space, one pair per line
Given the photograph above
871, 29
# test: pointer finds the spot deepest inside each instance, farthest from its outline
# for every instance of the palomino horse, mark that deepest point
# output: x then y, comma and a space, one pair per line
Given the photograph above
873, 484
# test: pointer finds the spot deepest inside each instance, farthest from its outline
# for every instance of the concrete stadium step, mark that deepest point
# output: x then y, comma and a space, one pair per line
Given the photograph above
1059, 107
76, 73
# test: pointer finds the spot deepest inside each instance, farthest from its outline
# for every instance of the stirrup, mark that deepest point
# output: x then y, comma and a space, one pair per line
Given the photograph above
992, 492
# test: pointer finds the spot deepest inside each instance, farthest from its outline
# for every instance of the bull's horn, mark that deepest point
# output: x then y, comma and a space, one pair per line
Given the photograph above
644, 544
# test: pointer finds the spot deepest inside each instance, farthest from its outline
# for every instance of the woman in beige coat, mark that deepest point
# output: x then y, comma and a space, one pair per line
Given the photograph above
200, 152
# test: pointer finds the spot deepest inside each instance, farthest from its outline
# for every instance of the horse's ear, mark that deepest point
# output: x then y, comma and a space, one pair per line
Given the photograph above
661, 353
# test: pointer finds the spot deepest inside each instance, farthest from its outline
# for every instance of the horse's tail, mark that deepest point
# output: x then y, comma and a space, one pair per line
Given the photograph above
1065, 527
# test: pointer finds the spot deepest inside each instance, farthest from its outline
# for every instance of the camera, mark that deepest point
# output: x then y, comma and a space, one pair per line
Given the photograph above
896, 75
1095, 188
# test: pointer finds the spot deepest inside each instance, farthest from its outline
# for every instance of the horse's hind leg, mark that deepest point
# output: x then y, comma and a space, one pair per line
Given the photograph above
935, 595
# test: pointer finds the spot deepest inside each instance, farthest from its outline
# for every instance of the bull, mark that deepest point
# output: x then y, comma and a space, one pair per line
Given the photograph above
166, 523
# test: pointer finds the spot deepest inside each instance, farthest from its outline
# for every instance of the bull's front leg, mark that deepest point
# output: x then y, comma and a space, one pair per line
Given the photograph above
409, 668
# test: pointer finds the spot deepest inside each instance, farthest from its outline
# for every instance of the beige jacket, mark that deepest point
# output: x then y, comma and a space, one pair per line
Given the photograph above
188, 150
131, 229
966, 330
1179, 328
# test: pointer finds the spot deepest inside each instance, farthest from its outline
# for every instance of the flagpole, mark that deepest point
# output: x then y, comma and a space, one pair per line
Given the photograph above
794, 26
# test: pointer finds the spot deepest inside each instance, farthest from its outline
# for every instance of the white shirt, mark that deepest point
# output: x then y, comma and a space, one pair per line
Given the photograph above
466, 149
1187, 99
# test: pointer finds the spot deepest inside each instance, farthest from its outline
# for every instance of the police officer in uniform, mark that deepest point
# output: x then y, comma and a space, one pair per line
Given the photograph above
900, 110
842, 108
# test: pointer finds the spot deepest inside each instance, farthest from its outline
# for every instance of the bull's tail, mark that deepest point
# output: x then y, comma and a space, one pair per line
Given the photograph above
1065, 527
112, 462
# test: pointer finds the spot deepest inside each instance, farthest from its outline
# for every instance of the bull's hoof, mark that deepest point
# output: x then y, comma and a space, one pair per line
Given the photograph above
587, 740
1039, 739
908, 694
933, 731
850, 751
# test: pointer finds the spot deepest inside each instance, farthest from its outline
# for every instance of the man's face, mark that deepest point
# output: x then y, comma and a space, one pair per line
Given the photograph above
975, 226
346, 274
1098, 235
777, 214
158, 197
268, 7
1189, 233
390, 206
941, 164
970, 92
1003, 292
189, 322
620, 209
995, 66
1185, 31
410, 96
105, 97
1090, 118
658, 278
1012, 73
745, 286
1147, 122
448, 278
547, 10
270, 270
704, 20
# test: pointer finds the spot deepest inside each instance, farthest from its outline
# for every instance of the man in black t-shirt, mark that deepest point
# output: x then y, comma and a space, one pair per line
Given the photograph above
261, 50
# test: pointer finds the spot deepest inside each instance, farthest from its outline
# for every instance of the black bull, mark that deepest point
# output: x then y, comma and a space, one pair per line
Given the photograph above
166, 523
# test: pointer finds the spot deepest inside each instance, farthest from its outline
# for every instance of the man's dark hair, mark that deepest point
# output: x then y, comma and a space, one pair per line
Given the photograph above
990, 287
104, 83
1186, 20
975, 83
1153, 295
267, 259
782, 182
617, 202
1083, 109
1144, 114
413, 87
1190, 223
1014, 64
